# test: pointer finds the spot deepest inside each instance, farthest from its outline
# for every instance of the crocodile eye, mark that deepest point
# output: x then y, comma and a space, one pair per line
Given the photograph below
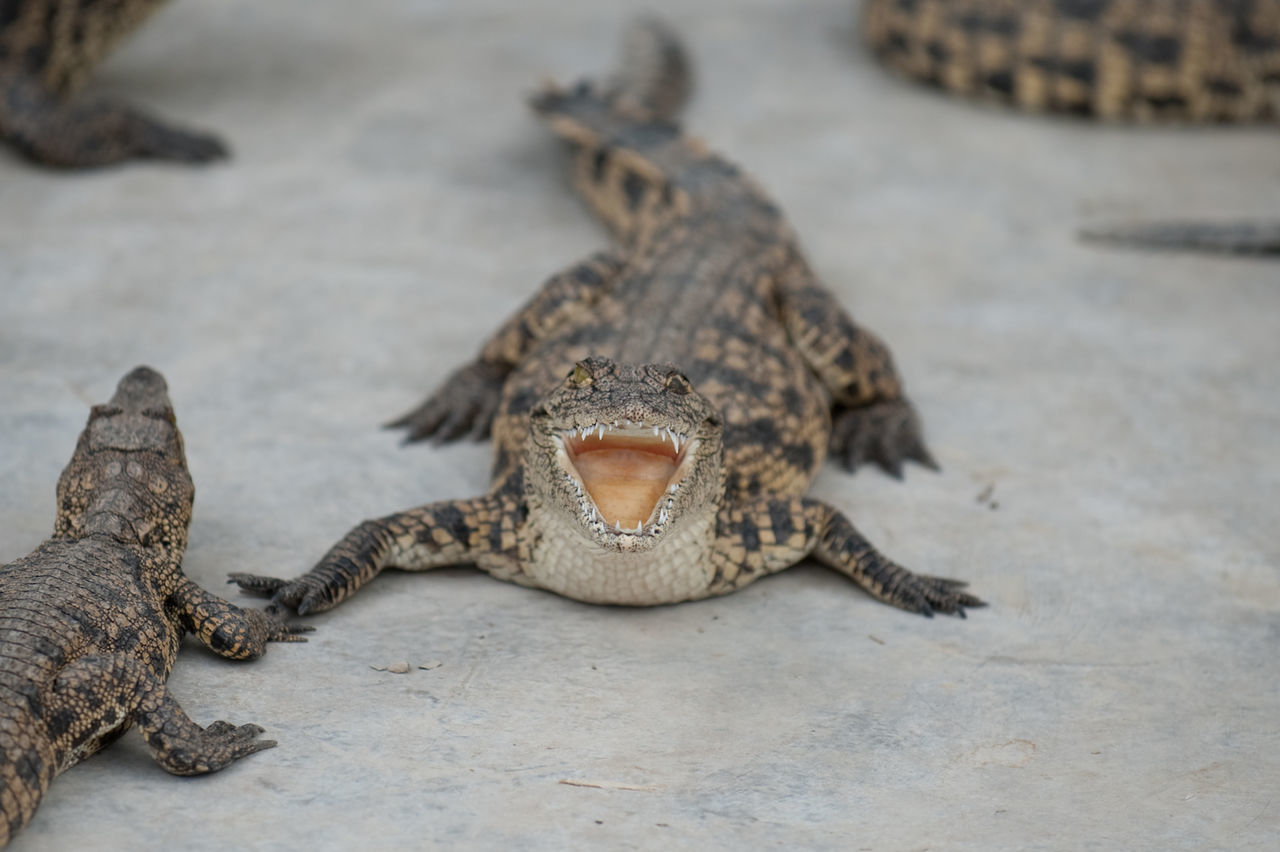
677, 383
581, 376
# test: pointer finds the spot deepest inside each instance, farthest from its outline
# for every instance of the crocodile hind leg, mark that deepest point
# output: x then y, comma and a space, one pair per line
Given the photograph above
451, 532
769, 534
872, 419
468, 399
97, 697
226, 629
83, 134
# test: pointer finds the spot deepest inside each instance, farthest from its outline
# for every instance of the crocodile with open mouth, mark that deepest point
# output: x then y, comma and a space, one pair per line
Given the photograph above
659, 409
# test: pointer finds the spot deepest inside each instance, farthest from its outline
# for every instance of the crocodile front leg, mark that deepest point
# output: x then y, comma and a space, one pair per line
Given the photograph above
226, 629
468, 399
86, 133
452, 532
770, 534
98, 696
872, 420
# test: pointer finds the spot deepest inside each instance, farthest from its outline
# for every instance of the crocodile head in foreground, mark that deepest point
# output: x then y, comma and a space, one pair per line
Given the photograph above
629, 451
130, 441
92, 619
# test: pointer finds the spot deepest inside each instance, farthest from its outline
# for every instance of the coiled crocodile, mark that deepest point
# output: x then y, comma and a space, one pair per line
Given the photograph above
658, 409
91, 621
1141, 60
48, 49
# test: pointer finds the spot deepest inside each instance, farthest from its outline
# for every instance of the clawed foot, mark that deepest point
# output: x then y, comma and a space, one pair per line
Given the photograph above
887, 433
353, 561
302, 594
212, 748
926, 595
87, 134
285, 631
159, 141
464, 405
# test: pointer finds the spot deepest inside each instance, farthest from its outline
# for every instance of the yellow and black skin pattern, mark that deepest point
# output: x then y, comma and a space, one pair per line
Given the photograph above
659, 409
91, 621
48, 49
1144, 60
1189, 61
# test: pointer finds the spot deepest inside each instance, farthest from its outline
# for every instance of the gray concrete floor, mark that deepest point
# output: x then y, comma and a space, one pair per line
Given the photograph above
1107, 422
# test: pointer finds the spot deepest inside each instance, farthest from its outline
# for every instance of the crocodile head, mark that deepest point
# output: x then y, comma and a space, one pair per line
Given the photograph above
128, 477
630, 451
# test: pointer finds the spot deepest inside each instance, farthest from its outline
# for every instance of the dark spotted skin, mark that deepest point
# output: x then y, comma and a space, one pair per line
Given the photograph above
704, 317
91, 621
48, 48
1141, 60
1149, 60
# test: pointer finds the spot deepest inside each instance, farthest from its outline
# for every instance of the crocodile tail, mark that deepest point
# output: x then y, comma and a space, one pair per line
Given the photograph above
626, 145
26, 769
1225, 237
654, 75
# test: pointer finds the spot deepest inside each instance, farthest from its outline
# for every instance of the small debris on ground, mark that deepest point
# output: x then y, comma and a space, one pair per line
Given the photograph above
395, 668
606, 785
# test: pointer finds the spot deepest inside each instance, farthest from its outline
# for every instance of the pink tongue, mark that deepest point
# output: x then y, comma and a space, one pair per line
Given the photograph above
625, 484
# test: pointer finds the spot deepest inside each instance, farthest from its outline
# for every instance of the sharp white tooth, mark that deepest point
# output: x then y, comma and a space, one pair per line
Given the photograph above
600, 432
656, 430
639, 526
617, 525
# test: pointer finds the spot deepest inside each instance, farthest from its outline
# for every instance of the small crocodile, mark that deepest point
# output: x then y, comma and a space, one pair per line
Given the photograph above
91, 621
48, 49
659, 409
1140, 60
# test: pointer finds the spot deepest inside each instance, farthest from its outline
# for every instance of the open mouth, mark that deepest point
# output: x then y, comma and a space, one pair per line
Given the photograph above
627, 469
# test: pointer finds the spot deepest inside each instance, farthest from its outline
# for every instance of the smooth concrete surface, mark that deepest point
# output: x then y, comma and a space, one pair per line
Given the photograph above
1107, 422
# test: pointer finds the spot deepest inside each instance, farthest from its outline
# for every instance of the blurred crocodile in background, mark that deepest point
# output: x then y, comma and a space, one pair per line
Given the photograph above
48, 49
1139, 60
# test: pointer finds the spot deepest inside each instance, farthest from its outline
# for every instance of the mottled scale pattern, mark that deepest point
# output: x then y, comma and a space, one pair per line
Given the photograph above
1183, 60
48, 49
91, 621
701, 340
